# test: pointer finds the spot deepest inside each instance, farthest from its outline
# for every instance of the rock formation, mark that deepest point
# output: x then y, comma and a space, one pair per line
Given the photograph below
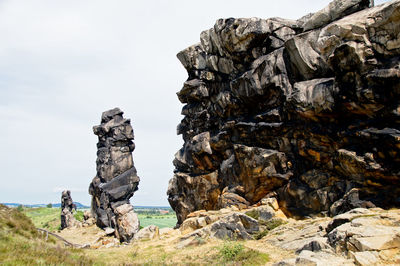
307, 109
116, 179
67, 208
357, 237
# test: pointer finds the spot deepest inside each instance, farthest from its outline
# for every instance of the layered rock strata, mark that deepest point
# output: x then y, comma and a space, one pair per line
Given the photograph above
307, 109
116, 179
67, 209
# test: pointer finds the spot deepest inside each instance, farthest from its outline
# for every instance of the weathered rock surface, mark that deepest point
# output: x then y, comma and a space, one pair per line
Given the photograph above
88, 219
148, 232
116, 179
67, 209
228, 224
360, 236
306, 109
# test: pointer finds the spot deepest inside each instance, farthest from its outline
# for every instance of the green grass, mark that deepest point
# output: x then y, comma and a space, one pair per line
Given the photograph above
162, 221
235, 253
230, 250
21, 244
46, 218
79, 215
49, 218
268, 226
253, 214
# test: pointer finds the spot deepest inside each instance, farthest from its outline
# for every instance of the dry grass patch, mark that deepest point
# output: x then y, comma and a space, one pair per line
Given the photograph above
164, 252
81, 235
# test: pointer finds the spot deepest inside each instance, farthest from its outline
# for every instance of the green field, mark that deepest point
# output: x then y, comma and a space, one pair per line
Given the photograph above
162, 221
49, 218
46, 218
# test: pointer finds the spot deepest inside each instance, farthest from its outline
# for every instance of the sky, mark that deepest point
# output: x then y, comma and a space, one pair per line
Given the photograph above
62, 63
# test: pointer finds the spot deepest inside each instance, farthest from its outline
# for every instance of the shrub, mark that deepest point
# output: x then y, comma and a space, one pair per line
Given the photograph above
253, 214
49, 205
236, 253
230, 250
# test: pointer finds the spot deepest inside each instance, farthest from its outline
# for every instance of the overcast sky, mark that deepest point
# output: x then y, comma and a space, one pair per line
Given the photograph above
62, 63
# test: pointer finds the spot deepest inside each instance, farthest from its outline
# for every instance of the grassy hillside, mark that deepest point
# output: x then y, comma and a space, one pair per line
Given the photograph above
20, 243
46, 218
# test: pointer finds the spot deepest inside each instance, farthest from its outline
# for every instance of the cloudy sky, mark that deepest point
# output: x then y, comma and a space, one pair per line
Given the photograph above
62, 63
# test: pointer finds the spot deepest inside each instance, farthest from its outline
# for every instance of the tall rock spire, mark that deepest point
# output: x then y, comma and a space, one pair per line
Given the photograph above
116, 179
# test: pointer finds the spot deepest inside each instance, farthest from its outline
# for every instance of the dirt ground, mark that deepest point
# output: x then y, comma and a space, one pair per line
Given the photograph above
163, 250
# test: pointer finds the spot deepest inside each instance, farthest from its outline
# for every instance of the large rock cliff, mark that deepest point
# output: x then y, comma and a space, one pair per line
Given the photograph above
307, 110
116, 178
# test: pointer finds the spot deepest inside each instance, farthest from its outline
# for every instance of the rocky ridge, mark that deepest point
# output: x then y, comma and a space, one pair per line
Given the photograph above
307, 110
116, 179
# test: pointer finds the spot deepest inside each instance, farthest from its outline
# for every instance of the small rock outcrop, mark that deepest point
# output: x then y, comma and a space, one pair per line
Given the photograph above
148, 232
307, 109
67, 208
116, 179
358, 237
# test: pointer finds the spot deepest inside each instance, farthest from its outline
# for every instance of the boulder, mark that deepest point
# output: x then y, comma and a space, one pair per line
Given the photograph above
350, 200
148, 232
231, 225
365, 258
127, 223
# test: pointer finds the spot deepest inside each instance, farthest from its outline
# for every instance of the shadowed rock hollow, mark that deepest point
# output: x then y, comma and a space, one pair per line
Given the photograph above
305, 109
116, 178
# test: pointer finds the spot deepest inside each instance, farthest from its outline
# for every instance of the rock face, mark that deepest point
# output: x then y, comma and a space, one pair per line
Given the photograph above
67, 208
116, 179
307, 109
